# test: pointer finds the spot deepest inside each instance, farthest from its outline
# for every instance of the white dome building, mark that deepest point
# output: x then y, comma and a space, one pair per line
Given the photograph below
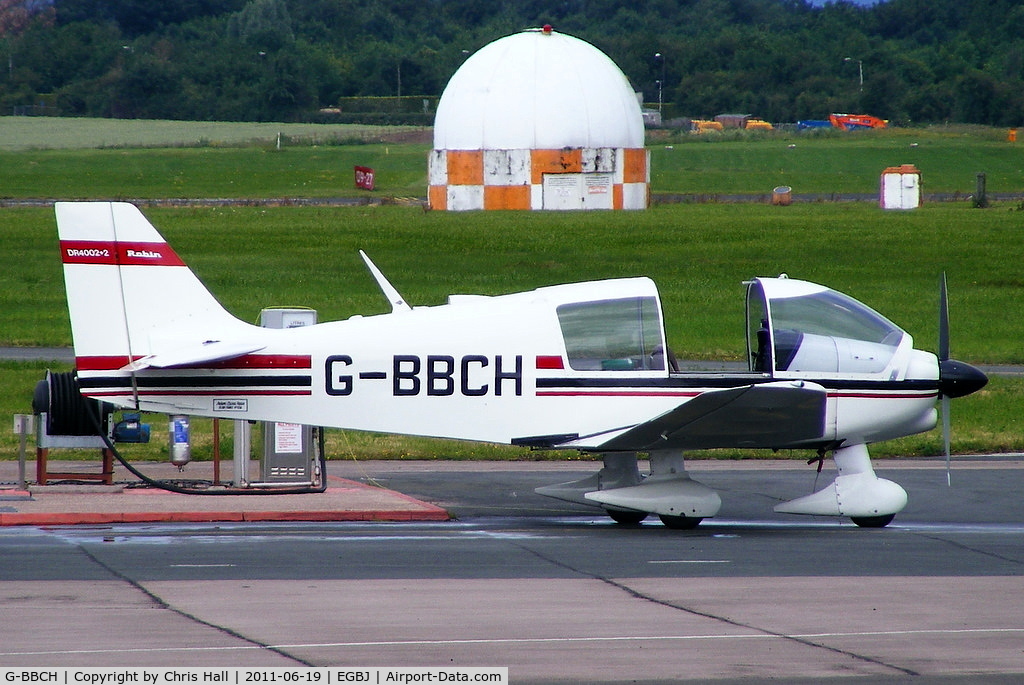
538, 120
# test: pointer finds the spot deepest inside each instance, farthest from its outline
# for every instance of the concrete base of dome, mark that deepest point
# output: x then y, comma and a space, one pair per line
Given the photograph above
567, 178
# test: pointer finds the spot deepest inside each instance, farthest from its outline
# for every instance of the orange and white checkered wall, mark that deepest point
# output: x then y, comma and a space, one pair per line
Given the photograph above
514, 179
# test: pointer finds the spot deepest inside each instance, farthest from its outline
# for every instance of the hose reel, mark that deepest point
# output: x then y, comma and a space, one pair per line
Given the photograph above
67, 411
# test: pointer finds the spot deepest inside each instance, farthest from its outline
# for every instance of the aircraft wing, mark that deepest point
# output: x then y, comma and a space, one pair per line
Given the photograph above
762, 416
201, 353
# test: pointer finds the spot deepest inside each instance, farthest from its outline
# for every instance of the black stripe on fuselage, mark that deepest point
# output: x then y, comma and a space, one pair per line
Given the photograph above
729, 381
217, 381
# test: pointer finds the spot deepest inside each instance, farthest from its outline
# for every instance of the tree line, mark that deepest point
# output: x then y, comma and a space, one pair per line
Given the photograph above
910, 61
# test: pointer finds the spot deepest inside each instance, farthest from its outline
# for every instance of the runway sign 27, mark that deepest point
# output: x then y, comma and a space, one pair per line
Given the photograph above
364, 177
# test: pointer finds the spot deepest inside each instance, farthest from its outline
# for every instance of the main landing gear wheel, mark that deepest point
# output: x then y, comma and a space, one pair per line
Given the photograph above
680, 522
626, 517
873, 521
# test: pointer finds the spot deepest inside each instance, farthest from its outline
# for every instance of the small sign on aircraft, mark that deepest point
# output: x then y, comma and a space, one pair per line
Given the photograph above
581, 366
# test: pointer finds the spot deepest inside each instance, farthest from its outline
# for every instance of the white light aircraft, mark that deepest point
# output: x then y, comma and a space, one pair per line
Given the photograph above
580, 366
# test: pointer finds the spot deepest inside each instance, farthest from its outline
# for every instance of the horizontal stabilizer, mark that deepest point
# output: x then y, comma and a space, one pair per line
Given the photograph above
204, 353
766, 415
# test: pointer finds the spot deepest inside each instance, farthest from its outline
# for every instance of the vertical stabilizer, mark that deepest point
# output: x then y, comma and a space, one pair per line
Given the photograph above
129, 295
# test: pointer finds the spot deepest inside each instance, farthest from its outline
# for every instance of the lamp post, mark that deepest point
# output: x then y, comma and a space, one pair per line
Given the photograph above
661, 82
860, 69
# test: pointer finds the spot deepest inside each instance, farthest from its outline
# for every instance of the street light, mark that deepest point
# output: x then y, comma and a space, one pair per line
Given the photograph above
661, 83
860, 69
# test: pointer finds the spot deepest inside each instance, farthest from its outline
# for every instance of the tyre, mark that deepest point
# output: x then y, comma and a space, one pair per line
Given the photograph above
680, 522
626, 517
873, 521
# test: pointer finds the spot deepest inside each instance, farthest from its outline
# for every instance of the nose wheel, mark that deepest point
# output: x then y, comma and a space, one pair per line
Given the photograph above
680, 522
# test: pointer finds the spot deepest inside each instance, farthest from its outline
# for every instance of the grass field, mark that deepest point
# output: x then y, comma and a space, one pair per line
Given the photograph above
253, 257
699, 254
949, 163
314, 166
211, 172
18, 134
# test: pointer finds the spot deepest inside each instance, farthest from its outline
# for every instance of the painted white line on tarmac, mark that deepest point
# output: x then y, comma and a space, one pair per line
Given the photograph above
537, 640
689, 561
663, 638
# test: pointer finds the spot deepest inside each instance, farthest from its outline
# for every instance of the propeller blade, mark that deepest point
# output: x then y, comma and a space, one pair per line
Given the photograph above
956, 379
945, 435
944, 356
943, 320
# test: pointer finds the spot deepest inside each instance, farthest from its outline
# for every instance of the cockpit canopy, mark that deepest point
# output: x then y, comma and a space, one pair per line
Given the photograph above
796, 327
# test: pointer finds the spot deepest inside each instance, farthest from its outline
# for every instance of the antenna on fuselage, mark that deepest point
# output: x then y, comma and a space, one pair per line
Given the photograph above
395, 298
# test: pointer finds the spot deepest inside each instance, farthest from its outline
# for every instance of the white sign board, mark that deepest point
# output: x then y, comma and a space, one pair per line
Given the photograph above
288, 438
578, 191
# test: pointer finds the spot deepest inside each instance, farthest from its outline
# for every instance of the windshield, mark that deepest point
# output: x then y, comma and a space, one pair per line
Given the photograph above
834, 314
814, 329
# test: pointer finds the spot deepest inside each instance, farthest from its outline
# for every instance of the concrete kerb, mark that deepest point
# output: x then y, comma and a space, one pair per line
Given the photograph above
128, 501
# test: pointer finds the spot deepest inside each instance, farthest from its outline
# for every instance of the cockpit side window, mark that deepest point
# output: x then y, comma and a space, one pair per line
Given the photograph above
613, 335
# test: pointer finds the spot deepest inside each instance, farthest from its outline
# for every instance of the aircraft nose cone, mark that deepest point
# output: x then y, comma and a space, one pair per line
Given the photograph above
957, 379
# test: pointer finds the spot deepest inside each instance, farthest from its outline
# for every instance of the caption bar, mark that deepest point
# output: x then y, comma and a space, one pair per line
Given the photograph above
252, 676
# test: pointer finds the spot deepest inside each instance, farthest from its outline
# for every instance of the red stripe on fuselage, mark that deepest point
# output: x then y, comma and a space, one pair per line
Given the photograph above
617, 393
546, 361
226, 392
885, 395
102, 363
261, 361
878, 395
248, 361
